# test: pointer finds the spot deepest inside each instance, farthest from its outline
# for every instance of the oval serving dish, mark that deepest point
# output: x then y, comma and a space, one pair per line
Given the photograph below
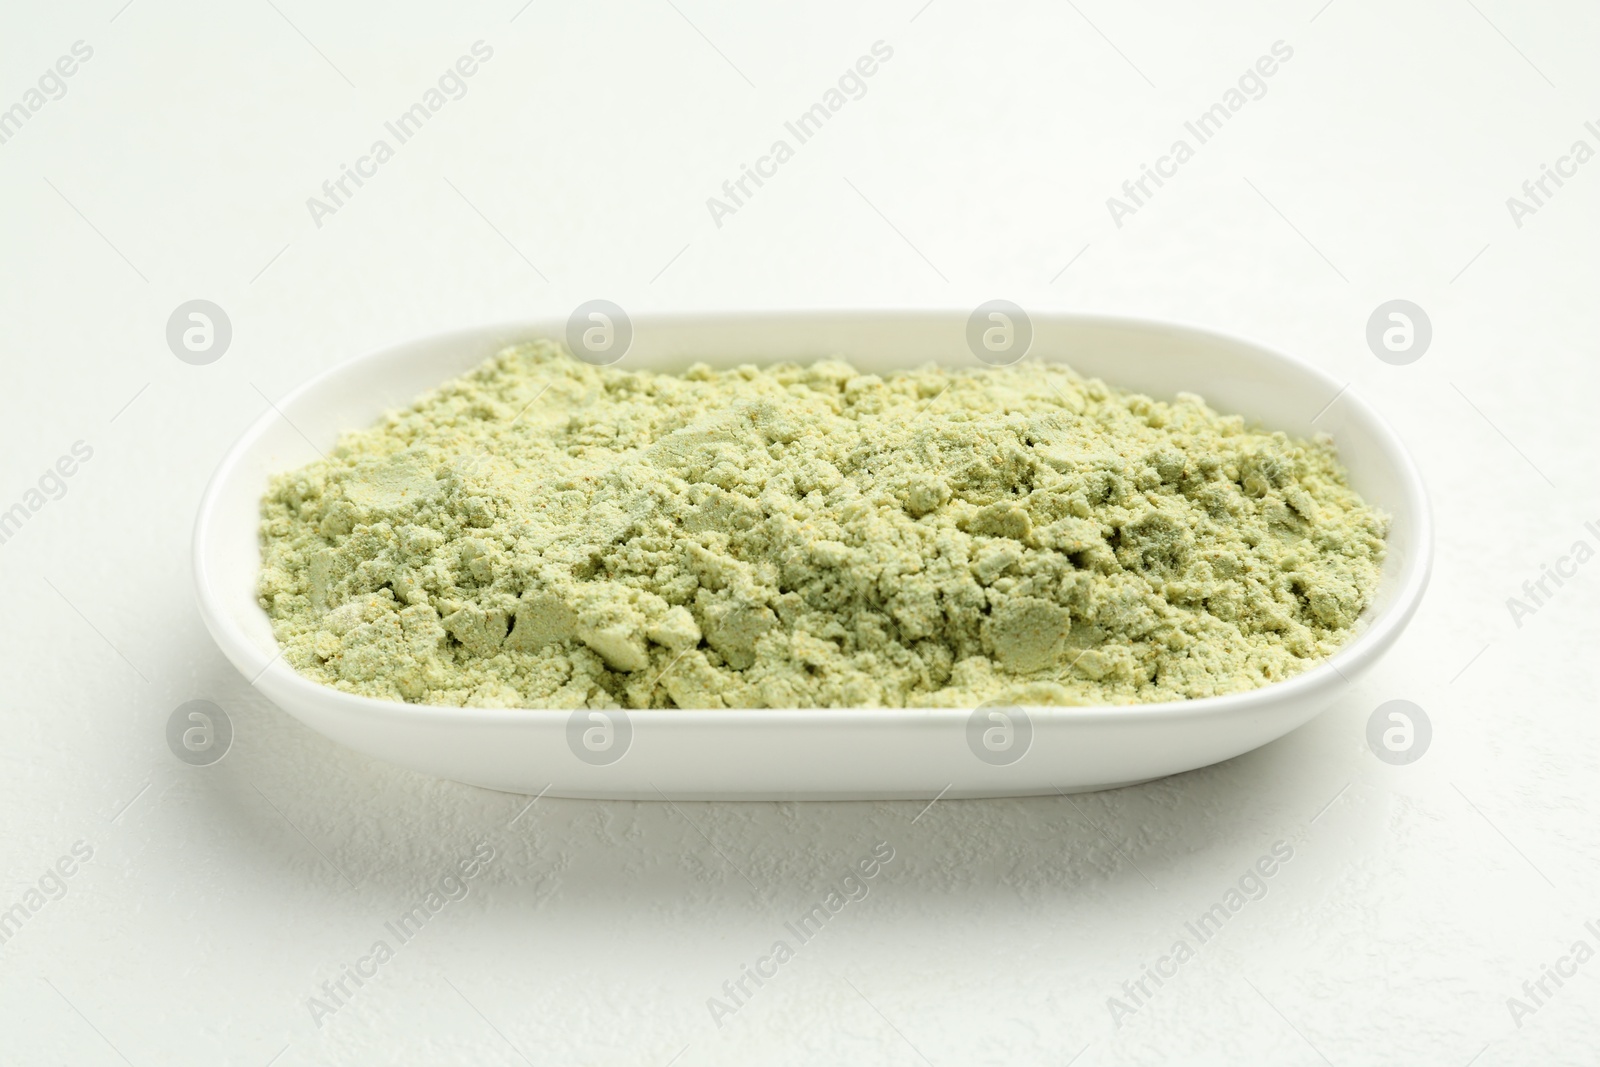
849, 753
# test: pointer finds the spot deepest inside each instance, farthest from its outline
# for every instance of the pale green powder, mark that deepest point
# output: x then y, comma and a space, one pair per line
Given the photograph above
544, 533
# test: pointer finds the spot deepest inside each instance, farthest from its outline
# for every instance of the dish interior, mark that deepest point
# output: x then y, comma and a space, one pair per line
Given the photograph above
1160, 360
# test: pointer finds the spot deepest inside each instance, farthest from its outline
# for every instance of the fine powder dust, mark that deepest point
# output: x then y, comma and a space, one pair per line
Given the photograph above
544, 533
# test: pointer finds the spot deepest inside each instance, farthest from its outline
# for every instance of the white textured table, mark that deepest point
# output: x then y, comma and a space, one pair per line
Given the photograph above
175, 163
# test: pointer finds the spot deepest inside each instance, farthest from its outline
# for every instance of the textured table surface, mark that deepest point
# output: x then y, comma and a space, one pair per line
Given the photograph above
207, 906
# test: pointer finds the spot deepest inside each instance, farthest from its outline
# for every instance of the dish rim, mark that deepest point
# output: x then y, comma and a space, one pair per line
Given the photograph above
1354, 656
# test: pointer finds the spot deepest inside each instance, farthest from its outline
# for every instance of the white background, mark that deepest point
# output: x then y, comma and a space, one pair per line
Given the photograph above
977, 165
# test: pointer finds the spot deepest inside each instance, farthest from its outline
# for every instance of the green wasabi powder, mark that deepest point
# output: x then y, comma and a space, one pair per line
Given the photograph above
545, 533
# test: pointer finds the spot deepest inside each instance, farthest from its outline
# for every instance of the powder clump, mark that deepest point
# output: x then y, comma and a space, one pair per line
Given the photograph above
544, 533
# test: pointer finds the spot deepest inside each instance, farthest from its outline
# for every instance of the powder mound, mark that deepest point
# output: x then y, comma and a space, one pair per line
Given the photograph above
545, 533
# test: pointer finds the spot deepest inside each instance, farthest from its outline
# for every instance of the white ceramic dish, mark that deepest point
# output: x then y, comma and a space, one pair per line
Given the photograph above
801, 754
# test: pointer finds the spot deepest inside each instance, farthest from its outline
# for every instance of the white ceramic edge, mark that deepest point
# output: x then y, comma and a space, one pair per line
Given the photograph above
1313, 688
